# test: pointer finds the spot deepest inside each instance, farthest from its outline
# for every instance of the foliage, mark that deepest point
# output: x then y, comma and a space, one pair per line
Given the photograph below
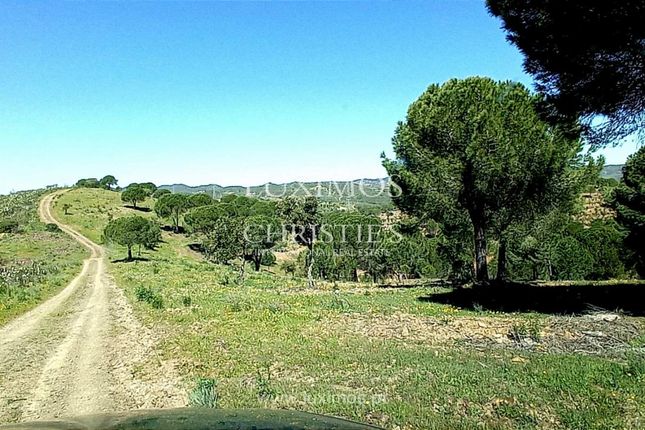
108, 182
52, 228
199, 199
592, 68
172, 206
9, 226
14, 278
150, 296
302, 219
377, 342
558, 248
132, 230
149, 187
236, 228
160, 192
463, 160
134, 193
629, 203
88, 183
204, 395
35, 263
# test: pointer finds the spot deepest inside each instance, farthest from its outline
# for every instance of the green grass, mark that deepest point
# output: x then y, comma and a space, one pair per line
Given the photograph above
59, 256
273, 343
91, 209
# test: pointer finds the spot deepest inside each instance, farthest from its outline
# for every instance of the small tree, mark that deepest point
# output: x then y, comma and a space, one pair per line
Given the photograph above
66, 208
304, 220
108, 182
133, 194
261, 233
172, 207
132, 230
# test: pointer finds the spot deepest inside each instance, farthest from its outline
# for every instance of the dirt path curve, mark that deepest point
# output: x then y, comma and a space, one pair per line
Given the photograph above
82, 351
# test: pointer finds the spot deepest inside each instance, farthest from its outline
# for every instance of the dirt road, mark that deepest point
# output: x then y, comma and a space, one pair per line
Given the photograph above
82, 351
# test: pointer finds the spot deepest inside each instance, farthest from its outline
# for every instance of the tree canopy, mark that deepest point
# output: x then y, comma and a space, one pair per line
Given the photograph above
160, 192
172, 207
134, 194
588, 57
132, 230
476, 152
108, 182
199, 199
629, 202
303, 218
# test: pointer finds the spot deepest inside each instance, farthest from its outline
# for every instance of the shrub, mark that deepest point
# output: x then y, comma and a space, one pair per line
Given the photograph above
150, 296
52, 228
204, 394
187, 301
526, 330
9, 226
263, 384
268, 259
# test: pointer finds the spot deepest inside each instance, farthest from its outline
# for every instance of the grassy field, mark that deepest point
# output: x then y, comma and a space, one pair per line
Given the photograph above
378, 355
34, 263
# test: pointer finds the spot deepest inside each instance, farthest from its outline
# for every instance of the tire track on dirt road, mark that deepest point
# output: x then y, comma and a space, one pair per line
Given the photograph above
82, 351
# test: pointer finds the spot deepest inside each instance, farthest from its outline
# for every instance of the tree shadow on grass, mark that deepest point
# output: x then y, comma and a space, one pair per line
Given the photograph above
140, 209
197, 247
171, 229
549, 299
133, 260
416, 283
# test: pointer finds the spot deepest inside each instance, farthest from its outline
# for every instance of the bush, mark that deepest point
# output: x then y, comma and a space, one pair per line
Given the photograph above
9, 226
52, 228
204, 394
268, 259
187, 301
150, 296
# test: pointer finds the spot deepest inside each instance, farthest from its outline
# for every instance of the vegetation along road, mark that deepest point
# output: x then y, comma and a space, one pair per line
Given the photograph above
81, 351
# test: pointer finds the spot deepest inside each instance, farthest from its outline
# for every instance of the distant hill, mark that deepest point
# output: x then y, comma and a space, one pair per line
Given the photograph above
612, 171
364, 193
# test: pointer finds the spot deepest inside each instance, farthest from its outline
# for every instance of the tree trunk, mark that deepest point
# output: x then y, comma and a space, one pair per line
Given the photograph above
241, 275
501, 261
134, 203
310, 267
129, 253
257, 260
481, 251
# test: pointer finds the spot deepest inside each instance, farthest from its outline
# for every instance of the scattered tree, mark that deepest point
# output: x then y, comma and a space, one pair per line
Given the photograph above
108, 182
132, 230
149, 187
476, 151
172, 207
88, 183
303, 219
133, 194
66, 208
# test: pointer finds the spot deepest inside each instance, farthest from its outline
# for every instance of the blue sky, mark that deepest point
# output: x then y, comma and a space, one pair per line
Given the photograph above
228, 92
